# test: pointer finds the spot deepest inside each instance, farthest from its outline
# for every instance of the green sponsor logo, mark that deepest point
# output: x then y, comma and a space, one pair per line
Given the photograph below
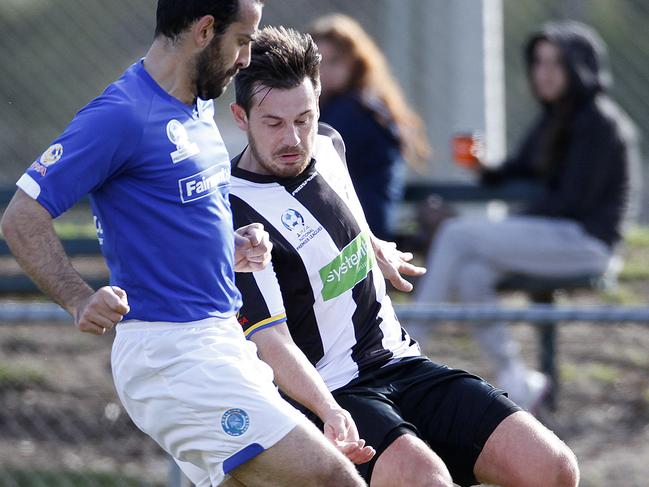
349, 268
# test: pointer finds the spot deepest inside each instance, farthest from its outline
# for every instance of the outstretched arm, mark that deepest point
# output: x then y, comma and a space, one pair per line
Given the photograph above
394, 263
28, 229
295, 375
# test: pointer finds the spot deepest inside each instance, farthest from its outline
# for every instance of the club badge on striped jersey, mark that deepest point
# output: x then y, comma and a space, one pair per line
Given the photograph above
294, 222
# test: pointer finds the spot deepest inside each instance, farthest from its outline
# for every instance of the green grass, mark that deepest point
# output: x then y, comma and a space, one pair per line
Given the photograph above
635, 270
636, 259
621, 295
12, 377
75, 230
42, 478
602, 373
68, 230
637, 237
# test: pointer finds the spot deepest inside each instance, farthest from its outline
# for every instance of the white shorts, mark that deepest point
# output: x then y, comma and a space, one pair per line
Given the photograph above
201, 392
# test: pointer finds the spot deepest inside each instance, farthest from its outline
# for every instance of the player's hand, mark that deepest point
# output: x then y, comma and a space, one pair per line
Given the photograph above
101, 311
340, 430
394, 263
252, 247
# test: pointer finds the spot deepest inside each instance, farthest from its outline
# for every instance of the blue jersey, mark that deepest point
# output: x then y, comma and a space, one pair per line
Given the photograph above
158, 175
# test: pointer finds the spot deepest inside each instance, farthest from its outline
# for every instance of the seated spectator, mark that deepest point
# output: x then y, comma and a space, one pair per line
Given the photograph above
581, 149
362, 101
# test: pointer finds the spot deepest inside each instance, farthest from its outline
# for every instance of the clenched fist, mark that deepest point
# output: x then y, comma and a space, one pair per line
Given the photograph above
252, 247
101, 311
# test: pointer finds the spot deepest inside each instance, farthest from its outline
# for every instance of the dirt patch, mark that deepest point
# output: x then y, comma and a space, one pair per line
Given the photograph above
603, 408
74, 420
71, 419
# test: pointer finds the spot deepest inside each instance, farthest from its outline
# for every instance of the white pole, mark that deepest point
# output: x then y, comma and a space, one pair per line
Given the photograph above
458, 57
494, 81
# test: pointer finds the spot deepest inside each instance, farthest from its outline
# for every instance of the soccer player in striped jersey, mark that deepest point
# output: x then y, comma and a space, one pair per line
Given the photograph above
322, 300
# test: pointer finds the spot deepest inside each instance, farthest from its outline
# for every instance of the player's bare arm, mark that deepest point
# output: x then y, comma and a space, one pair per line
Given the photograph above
394, 264
27, 227
295, 375
252, 247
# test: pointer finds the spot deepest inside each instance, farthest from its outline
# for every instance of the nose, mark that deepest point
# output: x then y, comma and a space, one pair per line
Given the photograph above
291, 136
243, 61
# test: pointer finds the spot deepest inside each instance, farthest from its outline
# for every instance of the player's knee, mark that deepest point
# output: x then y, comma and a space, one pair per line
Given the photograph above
408, 462
561, 470
419, 476
427, 474
566, 468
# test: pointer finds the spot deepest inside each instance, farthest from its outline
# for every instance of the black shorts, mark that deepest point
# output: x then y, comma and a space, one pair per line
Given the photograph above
451, 410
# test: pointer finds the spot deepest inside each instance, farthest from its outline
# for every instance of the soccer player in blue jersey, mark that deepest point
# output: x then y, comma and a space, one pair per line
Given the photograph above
150, 156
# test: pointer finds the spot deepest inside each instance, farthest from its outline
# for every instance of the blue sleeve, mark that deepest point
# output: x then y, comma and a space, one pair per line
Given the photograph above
93, 148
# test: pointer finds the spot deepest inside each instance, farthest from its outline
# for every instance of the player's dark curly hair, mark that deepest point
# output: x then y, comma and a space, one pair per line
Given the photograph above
174, 16
281, 58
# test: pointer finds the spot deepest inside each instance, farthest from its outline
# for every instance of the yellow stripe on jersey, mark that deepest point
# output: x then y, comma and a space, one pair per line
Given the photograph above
272, 321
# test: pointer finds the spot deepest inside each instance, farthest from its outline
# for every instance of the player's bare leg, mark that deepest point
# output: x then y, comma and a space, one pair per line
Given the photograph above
521, 452
303, 457
409, 462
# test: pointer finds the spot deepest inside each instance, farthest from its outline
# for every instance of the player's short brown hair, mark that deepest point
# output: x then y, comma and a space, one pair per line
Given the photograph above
281, 58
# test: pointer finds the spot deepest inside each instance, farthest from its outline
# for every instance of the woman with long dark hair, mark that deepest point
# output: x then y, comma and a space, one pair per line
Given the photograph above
583, 151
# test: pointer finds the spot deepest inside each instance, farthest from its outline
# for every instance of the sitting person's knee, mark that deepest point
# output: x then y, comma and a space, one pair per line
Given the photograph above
452, 229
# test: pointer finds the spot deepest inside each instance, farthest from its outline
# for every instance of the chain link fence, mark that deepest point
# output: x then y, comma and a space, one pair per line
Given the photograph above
61, 53
61, 423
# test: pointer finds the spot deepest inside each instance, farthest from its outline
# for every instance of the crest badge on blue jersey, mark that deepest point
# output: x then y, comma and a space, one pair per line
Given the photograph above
235, 422
51, 155
178, 136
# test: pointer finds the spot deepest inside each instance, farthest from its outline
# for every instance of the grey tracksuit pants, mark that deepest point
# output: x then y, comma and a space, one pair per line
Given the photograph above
469, 256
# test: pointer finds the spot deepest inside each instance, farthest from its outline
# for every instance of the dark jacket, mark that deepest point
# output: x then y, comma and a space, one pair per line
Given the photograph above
373, 157
588, 174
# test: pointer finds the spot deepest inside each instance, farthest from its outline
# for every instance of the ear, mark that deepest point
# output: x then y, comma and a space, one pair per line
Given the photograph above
240, 117
202, 31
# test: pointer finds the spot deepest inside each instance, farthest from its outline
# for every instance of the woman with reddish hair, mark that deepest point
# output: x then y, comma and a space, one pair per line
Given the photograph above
361, 100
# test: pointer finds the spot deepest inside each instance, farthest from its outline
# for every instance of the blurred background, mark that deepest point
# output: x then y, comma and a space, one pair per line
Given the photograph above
60, 54
460, 65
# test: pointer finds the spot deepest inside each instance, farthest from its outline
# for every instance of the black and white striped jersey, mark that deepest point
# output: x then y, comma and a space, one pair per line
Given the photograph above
324, 280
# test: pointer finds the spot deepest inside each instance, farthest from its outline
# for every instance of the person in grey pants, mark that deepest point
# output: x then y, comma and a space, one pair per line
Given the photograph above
583, 151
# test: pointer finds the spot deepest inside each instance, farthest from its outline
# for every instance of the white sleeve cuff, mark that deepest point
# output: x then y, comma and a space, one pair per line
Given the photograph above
29, 186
